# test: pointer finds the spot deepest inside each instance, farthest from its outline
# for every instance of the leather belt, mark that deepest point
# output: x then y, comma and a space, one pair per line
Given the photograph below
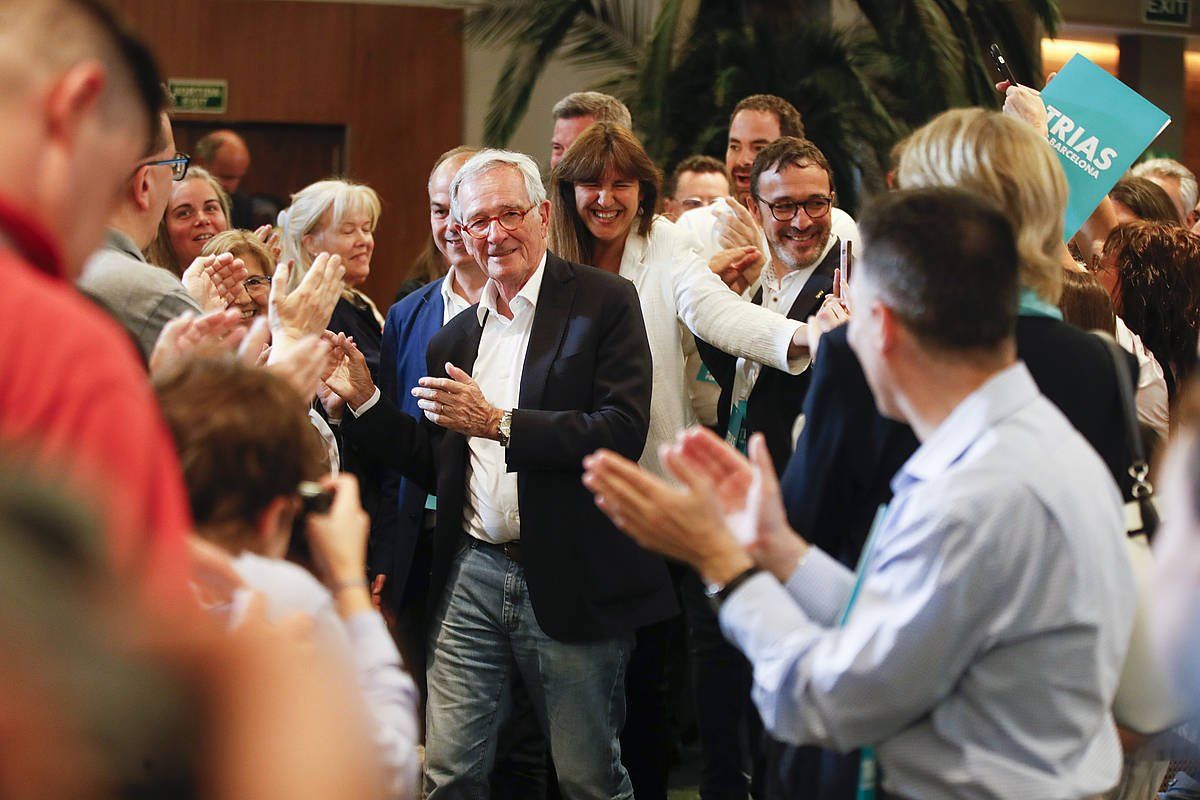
512, 550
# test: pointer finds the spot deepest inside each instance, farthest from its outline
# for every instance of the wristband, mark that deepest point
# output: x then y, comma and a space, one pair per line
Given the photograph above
718, 594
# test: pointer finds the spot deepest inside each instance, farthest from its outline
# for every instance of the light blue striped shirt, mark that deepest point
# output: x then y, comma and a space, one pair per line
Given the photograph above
984, 646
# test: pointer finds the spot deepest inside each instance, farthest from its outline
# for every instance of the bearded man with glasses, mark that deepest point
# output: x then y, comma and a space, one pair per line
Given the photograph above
528, 576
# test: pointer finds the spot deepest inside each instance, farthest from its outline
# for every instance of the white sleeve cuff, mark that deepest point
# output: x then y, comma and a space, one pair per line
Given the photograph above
365, 407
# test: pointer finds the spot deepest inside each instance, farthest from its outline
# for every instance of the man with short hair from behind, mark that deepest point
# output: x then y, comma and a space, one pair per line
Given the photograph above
81, 100
226, 156
696, 182
1177, 181
998, 565
143, 297
575, 112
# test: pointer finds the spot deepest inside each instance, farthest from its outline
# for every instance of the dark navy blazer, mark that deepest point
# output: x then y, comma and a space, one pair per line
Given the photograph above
411, 323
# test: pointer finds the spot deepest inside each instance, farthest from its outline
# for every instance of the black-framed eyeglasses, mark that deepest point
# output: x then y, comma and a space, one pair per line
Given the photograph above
786, 210
257, 282
480, 227
178, 164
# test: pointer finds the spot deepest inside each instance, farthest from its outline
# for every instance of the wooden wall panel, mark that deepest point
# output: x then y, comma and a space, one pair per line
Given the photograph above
391, 75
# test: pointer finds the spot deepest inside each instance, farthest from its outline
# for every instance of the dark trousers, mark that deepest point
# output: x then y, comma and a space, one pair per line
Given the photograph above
728, 724
647, 737
810, 772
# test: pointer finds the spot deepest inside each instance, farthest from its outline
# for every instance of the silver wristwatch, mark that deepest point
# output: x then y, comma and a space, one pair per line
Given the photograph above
505, 428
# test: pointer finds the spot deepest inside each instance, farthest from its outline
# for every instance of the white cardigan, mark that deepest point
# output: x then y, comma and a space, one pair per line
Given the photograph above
676, 286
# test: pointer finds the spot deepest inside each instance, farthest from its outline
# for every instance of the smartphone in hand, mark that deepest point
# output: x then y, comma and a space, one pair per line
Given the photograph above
1001, 64
847, 260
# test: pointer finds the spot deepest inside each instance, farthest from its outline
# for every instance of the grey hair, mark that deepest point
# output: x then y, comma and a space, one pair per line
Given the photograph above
487, 160
1189, 191
603, 107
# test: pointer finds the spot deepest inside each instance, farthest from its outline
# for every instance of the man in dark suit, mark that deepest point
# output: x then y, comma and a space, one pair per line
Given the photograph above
528, 575
791, 196
399, 559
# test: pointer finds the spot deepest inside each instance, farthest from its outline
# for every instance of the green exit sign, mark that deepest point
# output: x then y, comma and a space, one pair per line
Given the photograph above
193, 96
1167, 12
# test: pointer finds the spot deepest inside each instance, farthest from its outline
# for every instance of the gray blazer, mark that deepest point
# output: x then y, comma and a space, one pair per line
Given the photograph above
141, 296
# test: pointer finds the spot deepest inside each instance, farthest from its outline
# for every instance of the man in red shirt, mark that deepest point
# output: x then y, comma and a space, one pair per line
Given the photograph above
80, 98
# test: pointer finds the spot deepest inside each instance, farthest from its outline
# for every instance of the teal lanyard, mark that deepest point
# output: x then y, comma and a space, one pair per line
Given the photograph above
1032, 305
737, 434
868, 772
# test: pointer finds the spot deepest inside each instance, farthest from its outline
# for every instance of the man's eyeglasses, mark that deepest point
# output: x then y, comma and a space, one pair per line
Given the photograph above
178, 164
480, 227
786, 210
257, 283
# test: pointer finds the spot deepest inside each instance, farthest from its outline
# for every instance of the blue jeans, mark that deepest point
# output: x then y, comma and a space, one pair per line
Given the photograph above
484, 632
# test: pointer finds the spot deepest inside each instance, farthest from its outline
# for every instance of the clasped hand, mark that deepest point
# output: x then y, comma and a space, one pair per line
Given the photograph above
457, 403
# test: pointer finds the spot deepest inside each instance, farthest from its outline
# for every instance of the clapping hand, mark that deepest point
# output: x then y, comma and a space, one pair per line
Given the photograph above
727, 514
300, 362
214, 282
350, 379
211, 335
305, 310
735, 226
269, 235
748, 493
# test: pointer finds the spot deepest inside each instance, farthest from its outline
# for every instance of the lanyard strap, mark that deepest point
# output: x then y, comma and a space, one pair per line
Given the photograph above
867, 770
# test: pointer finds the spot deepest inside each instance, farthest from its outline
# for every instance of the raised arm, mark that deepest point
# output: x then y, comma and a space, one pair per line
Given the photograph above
718, 316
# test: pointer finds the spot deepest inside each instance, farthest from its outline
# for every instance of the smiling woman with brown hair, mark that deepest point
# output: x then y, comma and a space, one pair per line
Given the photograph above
197, 211
603, 193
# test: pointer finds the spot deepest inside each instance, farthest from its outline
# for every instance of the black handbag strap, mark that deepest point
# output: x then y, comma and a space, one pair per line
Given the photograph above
1139, 469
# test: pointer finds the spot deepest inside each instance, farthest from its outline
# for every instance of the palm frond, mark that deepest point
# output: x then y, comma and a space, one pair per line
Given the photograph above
655, 75
995, 23
980, 88
522, 68
491, 22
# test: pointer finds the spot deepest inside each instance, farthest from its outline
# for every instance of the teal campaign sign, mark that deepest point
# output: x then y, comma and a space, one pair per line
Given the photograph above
1098, 127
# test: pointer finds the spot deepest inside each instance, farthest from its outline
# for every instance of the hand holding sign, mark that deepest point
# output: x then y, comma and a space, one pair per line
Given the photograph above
1098, 127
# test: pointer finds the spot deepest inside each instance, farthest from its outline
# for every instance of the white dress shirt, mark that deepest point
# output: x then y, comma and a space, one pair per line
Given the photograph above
779, 293
987, 632
674, 284
491, 512
453, 303
1153, 405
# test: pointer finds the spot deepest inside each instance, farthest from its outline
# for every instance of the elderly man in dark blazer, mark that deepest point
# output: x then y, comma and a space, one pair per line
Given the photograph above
528, 575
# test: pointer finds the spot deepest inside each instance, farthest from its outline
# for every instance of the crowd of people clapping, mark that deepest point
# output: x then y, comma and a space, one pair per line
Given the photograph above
862, 498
